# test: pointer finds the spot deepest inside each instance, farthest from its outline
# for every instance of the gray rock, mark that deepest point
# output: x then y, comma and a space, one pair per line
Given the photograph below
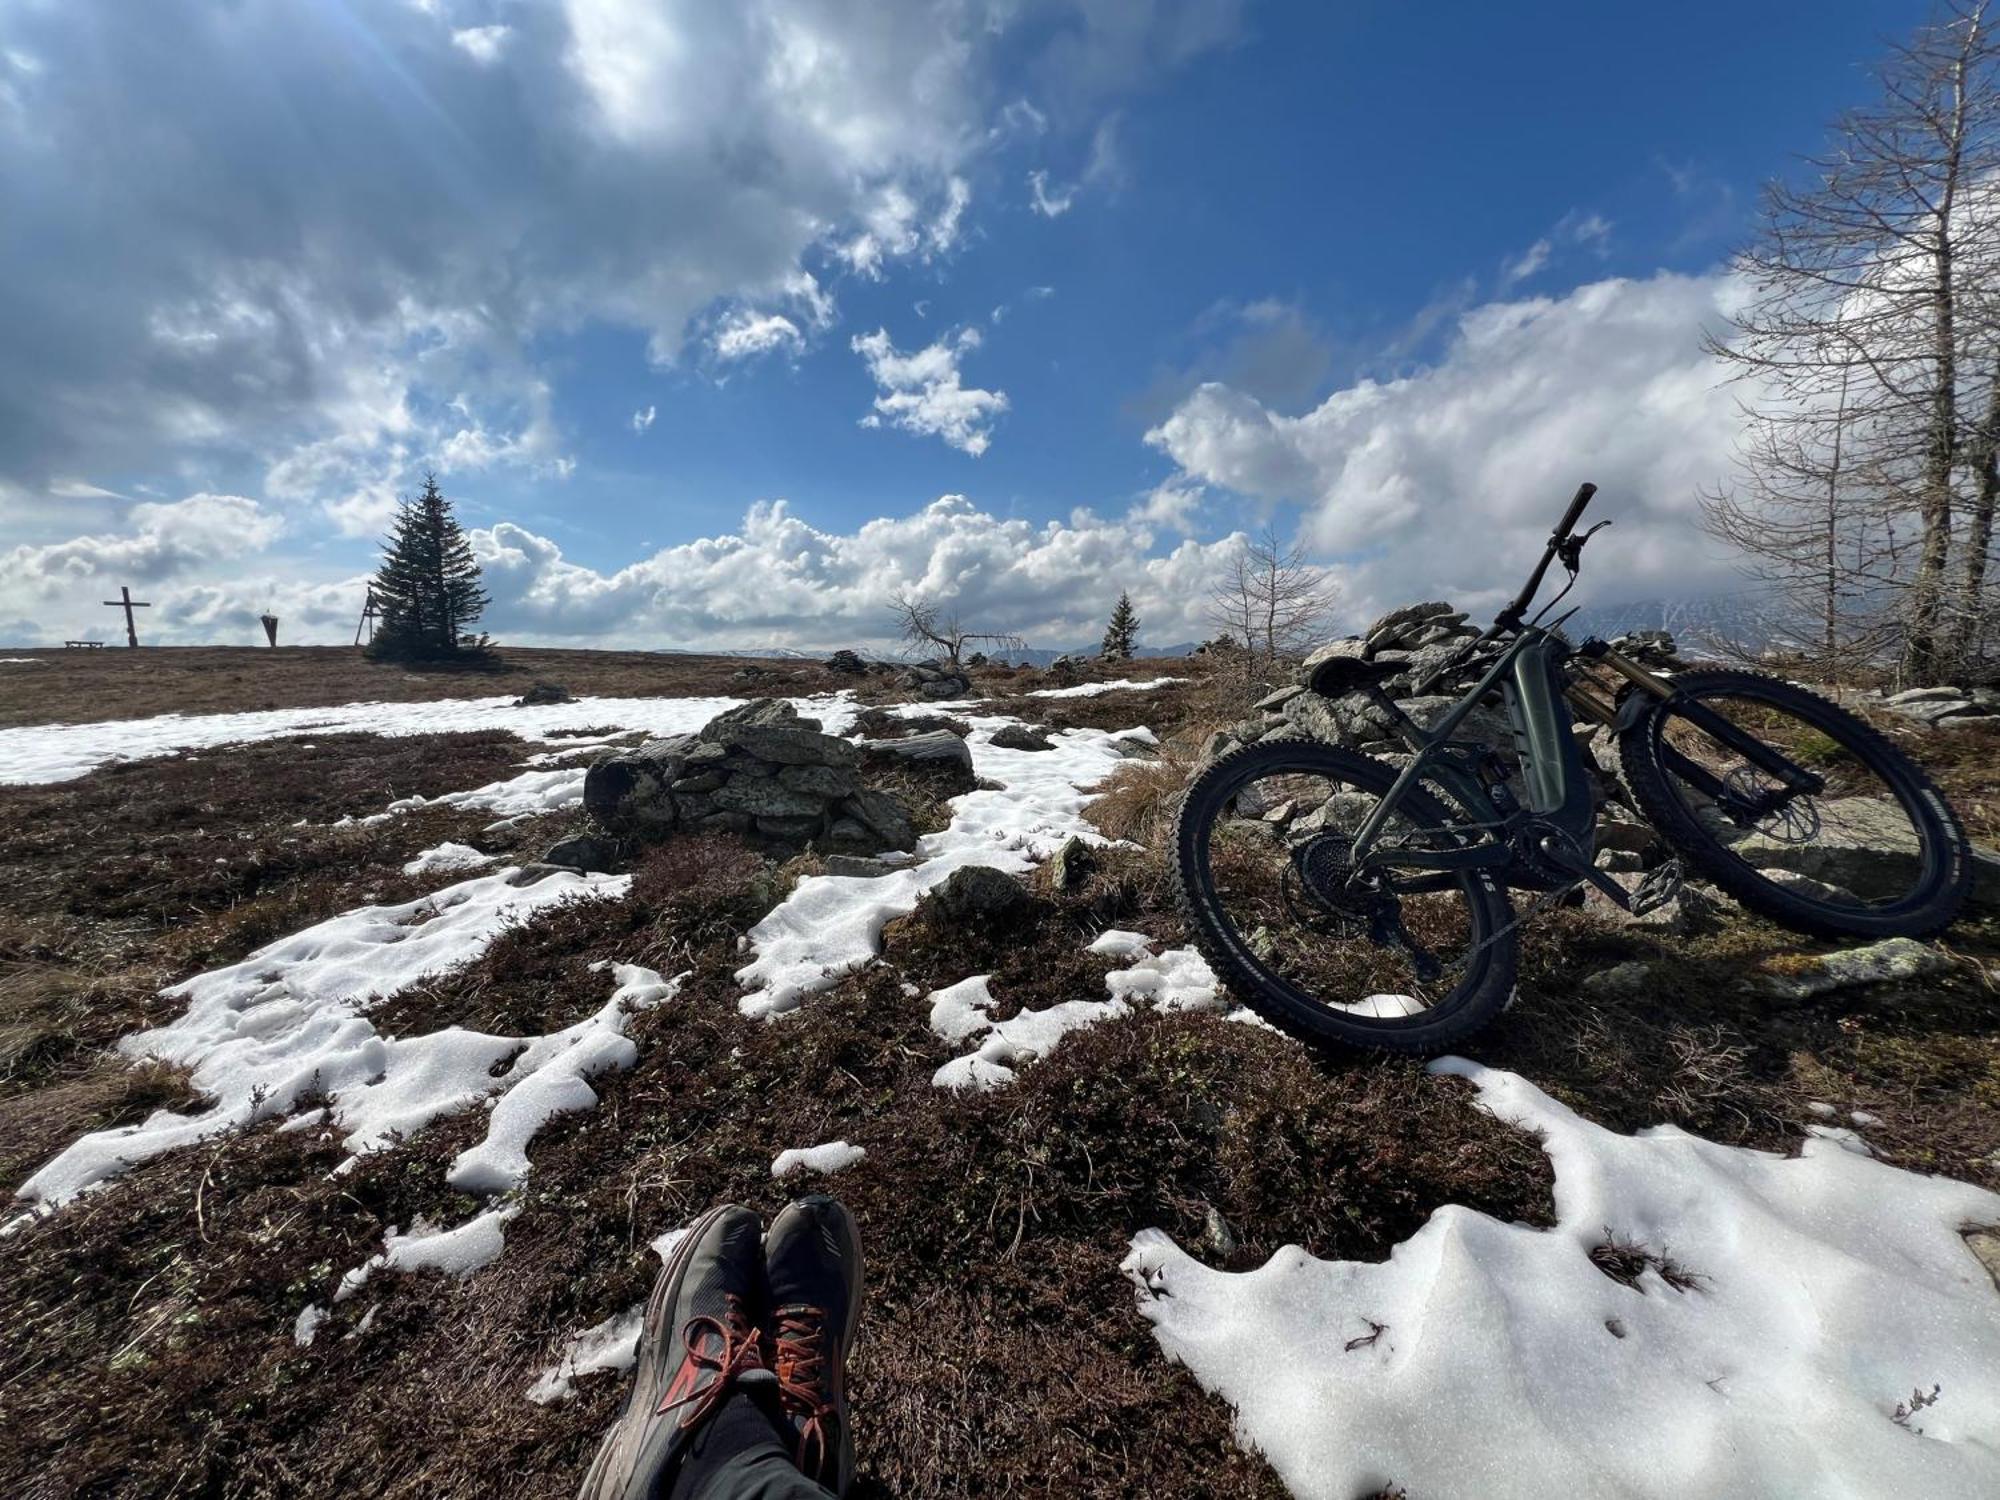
544, 692
945, 687
628, 794
768, 798
1409, 614
1619, 862
977, 893
1618, 829
726, 822
701, 781
1316, 717
705, 753
1279, 698
829, 783
883, 816
788, 747
1886, 962
1932, 711
847, 833
1926, 695
854, 866
763, 713
1216, 1233
846, 661
1353, 648
937, 745
1019, 737
1865, 846
1691, 912
1071, 865
792, 830
1627, 981
587, 852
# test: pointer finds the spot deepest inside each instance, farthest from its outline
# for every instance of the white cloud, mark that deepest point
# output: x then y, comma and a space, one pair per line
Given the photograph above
641, 420
1050, 205
158, 541
922, 393
1584, 230
483, 44
1101, 168
1441, 482
745, 334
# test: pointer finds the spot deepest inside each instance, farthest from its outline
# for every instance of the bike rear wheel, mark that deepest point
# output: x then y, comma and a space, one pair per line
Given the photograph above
1403, 960
1877, 853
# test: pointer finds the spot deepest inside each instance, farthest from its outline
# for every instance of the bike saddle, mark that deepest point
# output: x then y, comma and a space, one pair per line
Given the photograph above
1339, 675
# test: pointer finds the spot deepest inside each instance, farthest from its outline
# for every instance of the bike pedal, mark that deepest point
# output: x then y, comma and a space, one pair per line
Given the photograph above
1661, 885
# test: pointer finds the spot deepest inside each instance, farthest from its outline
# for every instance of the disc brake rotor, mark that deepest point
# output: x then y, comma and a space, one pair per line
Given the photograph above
1795, 820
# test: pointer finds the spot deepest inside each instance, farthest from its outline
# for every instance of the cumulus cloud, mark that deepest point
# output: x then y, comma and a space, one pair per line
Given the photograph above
922, 392
1442, 479
744, 335
324, 223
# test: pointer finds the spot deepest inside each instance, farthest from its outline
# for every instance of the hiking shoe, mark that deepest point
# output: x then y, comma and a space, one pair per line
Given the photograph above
700, 1336
812, 1261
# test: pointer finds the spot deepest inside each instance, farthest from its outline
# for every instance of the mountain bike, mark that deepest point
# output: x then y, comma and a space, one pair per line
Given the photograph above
1366, 902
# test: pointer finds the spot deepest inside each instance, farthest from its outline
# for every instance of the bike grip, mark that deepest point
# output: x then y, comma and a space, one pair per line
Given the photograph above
1575, 511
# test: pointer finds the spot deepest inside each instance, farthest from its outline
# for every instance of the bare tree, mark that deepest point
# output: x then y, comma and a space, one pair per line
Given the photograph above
1866, 313
1273, 601
928, 625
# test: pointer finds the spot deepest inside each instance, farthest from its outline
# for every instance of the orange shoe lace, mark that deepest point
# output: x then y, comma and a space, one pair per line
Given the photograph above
801, 1362
739, 1352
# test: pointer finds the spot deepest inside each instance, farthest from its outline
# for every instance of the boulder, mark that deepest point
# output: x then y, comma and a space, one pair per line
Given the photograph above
828, 783
939, 745
1886, 962
763, 713
588, 852
883, 817
944, 687
768, 798
1072, 864
783, 746
1019, 737
847, 662
544, 692
977, 893
1860, 848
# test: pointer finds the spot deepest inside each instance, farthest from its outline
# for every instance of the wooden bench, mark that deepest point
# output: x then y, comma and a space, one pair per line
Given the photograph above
83, 645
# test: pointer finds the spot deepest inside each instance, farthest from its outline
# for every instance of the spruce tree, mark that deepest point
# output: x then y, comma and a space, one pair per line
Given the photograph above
1122, 635
428, 584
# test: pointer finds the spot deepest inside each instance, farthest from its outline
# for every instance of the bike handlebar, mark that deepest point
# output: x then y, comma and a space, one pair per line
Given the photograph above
1575, 512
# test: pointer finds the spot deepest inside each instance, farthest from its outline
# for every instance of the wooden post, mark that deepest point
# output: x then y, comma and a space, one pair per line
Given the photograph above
126, 602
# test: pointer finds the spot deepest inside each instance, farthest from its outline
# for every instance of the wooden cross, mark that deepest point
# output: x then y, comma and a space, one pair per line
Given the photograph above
127, 603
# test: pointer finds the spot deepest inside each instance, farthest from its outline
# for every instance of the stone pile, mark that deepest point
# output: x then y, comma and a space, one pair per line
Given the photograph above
1954, 706
937, 679
1653, 649
761, 770
847, 662
544, 692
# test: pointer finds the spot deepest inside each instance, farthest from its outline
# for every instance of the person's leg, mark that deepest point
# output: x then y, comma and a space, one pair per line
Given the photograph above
812, 1264
745, 1452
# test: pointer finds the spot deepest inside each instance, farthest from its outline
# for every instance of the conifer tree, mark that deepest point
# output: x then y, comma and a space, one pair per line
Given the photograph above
428, 585
1122, 635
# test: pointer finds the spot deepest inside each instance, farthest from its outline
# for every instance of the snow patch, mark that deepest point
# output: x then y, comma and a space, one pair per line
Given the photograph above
1092, 689
445, 857
610, 1345
60, 752
1829, 1285
286, 1024
834, 1156
458, 1251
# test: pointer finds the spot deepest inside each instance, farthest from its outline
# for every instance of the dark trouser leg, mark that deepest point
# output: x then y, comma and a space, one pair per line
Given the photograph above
742, 1455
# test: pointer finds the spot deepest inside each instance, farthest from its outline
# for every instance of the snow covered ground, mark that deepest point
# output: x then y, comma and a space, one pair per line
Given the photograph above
60, 752
1493, 1360
1092, 689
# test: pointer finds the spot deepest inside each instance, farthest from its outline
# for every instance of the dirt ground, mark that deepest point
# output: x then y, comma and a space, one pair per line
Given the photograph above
146, 1332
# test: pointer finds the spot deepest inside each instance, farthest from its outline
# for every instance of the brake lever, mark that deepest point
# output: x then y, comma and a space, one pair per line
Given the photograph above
1570, 548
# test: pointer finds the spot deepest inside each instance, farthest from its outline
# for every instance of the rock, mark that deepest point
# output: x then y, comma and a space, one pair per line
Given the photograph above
544, 692
1316, 716
627, 793
789, 747
536, 872
588, 852
726, 822
1409, 614
1618, 829
1280, 698
1353, 648
1926, 695
854, 866
1933, 710
1619, 862
759, 712
828, 783
977, 893
883, 817
846, 661
1689, 913
940, 745
1805, 885
1216, 1233
1885, 962
847, 833
701, 781
768, 798
1857, 850
1631, 980
1019, 737
1985, 1247
792, 830
1072, 864
945, 687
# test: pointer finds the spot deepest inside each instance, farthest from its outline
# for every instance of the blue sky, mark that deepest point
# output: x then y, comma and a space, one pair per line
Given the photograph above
701, 310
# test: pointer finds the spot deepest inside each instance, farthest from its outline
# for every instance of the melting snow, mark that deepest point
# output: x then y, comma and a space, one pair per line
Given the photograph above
832, 924
610, 1345
1092, 689
447, 856
59, 752
834, 1156
1178, 979
287, 1023
1491, 1360
458, 1251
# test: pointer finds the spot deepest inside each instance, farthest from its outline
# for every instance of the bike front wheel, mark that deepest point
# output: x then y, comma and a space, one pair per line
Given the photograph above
1876, 852
1398, 959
